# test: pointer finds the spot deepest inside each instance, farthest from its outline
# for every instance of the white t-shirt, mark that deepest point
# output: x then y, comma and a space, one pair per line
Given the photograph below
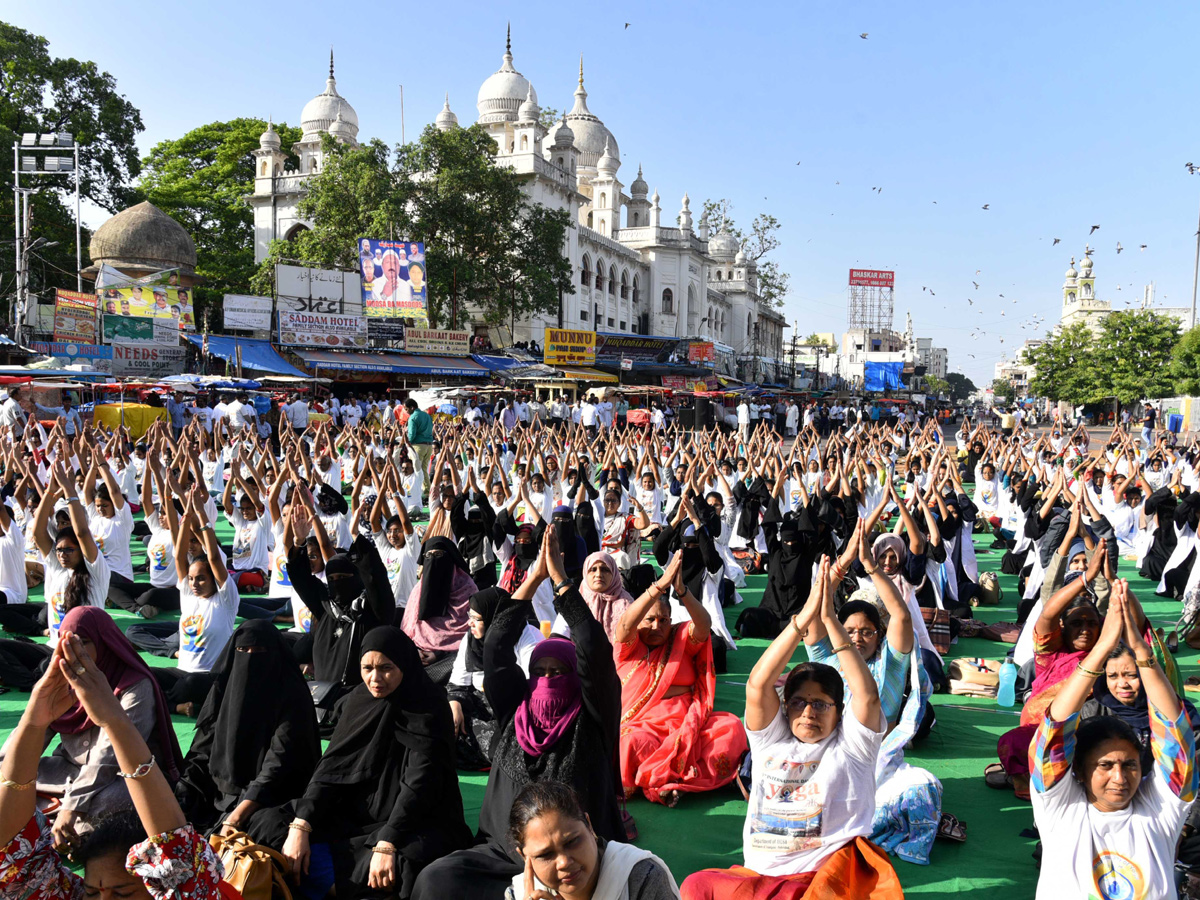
205, 625
337, 526
1133, 850
160, 551
251, 541
240, 414
55, 585
12, 562
112, 537
401, 565
281, 585
809, 800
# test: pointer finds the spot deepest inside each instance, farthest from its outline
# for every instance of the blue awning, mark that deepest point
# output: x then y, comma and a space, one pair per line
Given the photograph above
394, 363
500, 363
257, 355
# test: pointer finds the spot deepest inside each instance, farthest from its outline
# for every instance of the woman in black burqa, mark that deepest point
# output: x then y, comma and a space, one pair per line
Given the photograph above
559, 724
256, 742
384, 799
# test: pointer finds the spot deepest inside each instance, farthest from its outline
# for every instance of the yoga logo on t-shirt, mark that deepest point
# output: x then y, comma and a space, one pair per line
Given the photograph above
305, 619
787, 808
241, 547
1118, 877
159, 557
192, 629
281, 573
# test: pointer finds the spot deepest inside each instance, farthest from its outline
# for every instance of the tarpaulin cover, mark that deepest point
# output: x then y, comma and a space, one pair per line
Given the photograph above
257, 355
880, 376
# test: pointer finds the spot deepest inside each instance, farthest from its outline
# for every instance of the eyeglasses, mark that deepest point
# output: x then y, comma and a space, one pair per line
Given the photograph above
866, 633
798, 704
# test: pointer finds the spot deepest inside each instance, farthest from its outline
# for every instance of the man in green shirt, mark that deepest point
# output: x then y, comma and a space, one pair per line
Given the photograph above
420, 434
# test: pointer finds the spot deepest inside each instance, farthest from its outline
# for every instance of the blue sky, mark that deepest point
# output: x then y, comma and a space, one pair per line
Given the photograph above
1059, 116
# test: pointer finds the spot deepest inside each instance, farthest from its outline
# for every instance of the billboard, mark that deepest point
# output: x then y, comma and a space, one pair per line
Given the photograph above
69, 354
702, 353
247, 313
393, 279
640, 348
329, 291
438, 343
564, 347
148, 361
324, 331
160, 301
688, 383
873, 277
140, 330
74, 317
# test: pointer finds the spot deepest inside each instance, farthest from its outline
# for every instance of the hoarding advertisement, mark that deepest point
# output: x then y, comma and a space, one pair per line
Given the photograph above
74, 317
151, 302
565, 347
327, 332
140, 330
247, 313
437, 343
68, 354
873, 277
148, 361
393, 280
702, 352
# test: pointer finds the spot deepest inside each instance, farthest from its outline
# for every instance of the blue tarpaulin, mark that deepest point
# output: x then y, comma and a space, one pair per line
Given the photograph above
880, 376
259, 356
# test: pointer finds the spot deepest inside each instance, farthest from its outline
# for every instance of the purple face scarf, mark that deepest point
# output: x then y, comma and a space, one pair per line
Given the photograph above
551, 704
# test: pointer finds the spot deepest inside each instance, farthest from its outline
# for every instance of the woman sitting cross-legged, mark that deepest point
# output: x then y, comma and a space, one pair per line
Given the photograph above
672, 741
565, 858
814, 755
384, 799
153, 853
82, 769
559, 723
256, 742
1108, 828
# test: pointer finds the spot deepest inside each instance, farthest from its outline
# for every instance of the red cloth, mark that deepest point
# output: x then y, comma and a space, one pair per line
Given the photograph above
860, 871
676, 744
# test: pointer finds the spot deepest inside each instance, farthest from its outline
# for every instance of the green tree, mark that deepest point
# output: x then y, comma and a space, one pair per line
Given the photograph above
549, 119
960, 386
816, 340
1065, 366
201, 180
1185, 363
487, 247
1002, 387
1133, 355
936, 386
41, 94
758, 244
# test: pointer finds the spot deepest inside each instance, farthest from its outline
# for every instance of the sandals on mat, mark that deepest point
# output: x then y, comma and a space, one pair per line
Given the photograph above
951, 828
994, 776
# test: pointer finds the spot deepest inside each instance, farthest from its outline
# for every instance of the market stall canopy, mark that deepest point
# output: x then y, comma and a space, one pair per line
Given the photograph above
209, 382
393, 363
586, 374
257, 355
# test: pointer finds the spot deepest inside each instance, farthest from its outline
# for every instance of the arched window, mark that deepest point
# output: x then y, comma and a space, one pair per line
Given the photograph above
739, 274
560, 163
637, 293
264, 167
624, 284
1070, 296
1087, 290
749, 325
589, 220
668, 302
635, 220
612, 281
524, 142
599, 274
692, 311
603, 226
585, 275
603, 200
718, 274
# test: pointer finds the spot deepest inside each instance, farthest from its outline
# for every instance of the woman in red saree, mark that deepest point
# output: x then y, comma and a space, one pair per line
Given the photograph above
672, 742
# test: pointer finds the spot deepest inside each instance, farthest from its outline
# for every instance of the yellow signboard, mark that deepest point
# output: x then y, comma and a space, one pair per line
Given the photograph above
564, 347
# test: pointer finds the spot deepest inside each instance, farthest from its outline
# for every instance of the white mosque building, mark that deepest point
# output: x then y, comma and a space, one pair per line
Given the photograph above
634, 272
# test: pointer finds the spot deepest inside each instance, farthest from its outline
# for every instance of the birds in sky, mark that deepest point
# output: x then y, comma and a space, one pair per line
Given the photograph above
1095, 228
1119, 248
626, 26
863, 35
1191, 168
1143, 247
1056, 241
986, 205
976, 283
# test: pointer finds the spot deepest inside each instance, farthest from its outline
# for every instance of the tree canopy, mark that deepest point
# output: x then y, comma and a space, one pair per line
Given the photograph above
1132, 356
1065, 366
488, 247
1002, 387
961, 387
758, 244
201, 180
40, 94
1185, 363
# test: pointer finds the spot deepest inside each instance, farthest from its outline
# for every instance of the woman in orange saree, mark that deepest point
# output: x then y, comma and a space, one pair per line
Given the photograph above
672, 741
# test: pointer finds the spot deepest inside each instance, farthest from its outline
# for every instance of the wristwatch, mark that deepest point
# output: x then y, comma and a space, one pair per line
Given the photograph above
566, 582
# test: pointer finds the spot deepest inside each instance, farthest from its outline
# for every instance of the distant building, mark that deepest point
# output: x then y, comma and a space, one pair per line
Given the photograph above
1080, 303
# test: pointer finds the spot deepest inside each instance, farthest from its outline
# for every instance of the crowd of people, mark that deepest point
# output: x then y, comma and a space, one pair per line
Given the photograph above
542, 596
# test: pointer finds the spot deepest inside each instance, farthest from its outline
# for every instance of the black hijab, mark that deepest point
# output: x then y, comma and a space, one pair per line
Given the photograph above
343, 591
416, 716
437, 577
258, 698
574, 550
693, 568
484, 602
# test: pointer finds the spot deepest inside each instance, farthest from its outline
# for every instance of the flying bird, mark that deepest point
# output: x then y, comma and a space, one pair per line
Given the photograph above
931, 293
1095, 228
1191, 168
626, 26
1119, 247
1001, 295
976, 283
863, 35
1143, 247
986, 205
970, 301
1057, 241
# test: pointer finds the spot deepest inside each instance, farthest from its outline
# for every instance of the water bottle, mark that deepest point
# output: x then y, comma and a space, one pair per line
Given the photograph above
1007, 694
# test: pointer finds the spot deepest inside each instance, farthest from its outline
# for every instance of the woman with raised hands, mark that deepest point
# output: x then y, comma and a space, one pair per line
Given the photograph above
157, 854
814, 755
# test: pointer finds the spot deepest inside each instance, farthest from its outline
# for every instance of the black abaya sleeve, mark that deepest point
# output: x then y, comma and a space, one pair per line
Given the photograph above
663, 545
309, 588
708, 550
458, 516
288, 764
422, 783
504, 683
597, 668
381, 602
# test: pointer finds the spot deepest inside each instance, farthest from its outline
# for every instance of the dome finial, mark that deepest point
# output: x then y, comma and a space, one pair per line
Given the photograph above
508, 40
581, 70
331, 61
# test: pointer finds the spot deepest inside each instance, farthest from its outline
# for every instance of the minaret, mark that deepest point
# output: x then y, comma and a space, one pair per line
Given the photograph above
268, 160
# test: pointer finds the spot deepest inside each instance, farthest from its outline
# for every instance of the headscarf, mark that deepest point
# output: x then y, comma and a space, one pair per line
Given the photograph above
415, 715
693, 568
574, 550
117, 659
255, 696
550, 704
343, 591
484, 602
517, 566
437, 577
609, 605
886, 542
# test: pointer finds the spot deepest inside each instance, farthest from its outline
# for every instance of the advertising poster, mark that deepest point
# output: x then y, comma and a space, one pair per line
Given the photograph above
247, 313
327, 332
702, 353
393, 280
639, 348
74, 317
160, 301
565, 347
94, 355
148, 361
688, 383
437, 343
140, 330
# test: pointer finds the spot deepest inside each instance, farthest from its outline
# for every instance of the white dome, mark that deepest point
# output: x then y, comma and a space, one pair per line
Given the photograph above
529, 110
563, 135
341, 128
590, 133
323, 110
1085, 266
740, 259
446, 119
607, 164
269, 139
639, 188
723, 246
1071, 273
501, 96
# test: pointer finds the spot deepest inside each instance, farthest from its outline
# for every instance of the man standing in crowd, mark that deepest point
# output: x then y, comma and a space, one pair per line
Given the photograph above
420, 433
71, 422
297, 414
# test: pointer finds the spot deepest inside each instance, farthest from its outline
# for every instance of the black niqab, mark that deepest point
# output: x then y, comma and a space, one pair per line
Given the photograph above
484, 602
437, 577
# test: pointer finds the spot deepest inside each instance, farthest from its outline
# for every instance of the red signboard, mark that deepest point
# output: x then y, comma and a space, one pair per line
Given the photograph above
702, 352
873, 277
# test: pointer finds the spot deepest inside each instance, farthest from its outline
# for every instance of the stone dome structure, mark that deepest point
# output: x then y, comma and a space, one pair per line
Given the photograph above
501, 95
323, 110
141, 240
591, 135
